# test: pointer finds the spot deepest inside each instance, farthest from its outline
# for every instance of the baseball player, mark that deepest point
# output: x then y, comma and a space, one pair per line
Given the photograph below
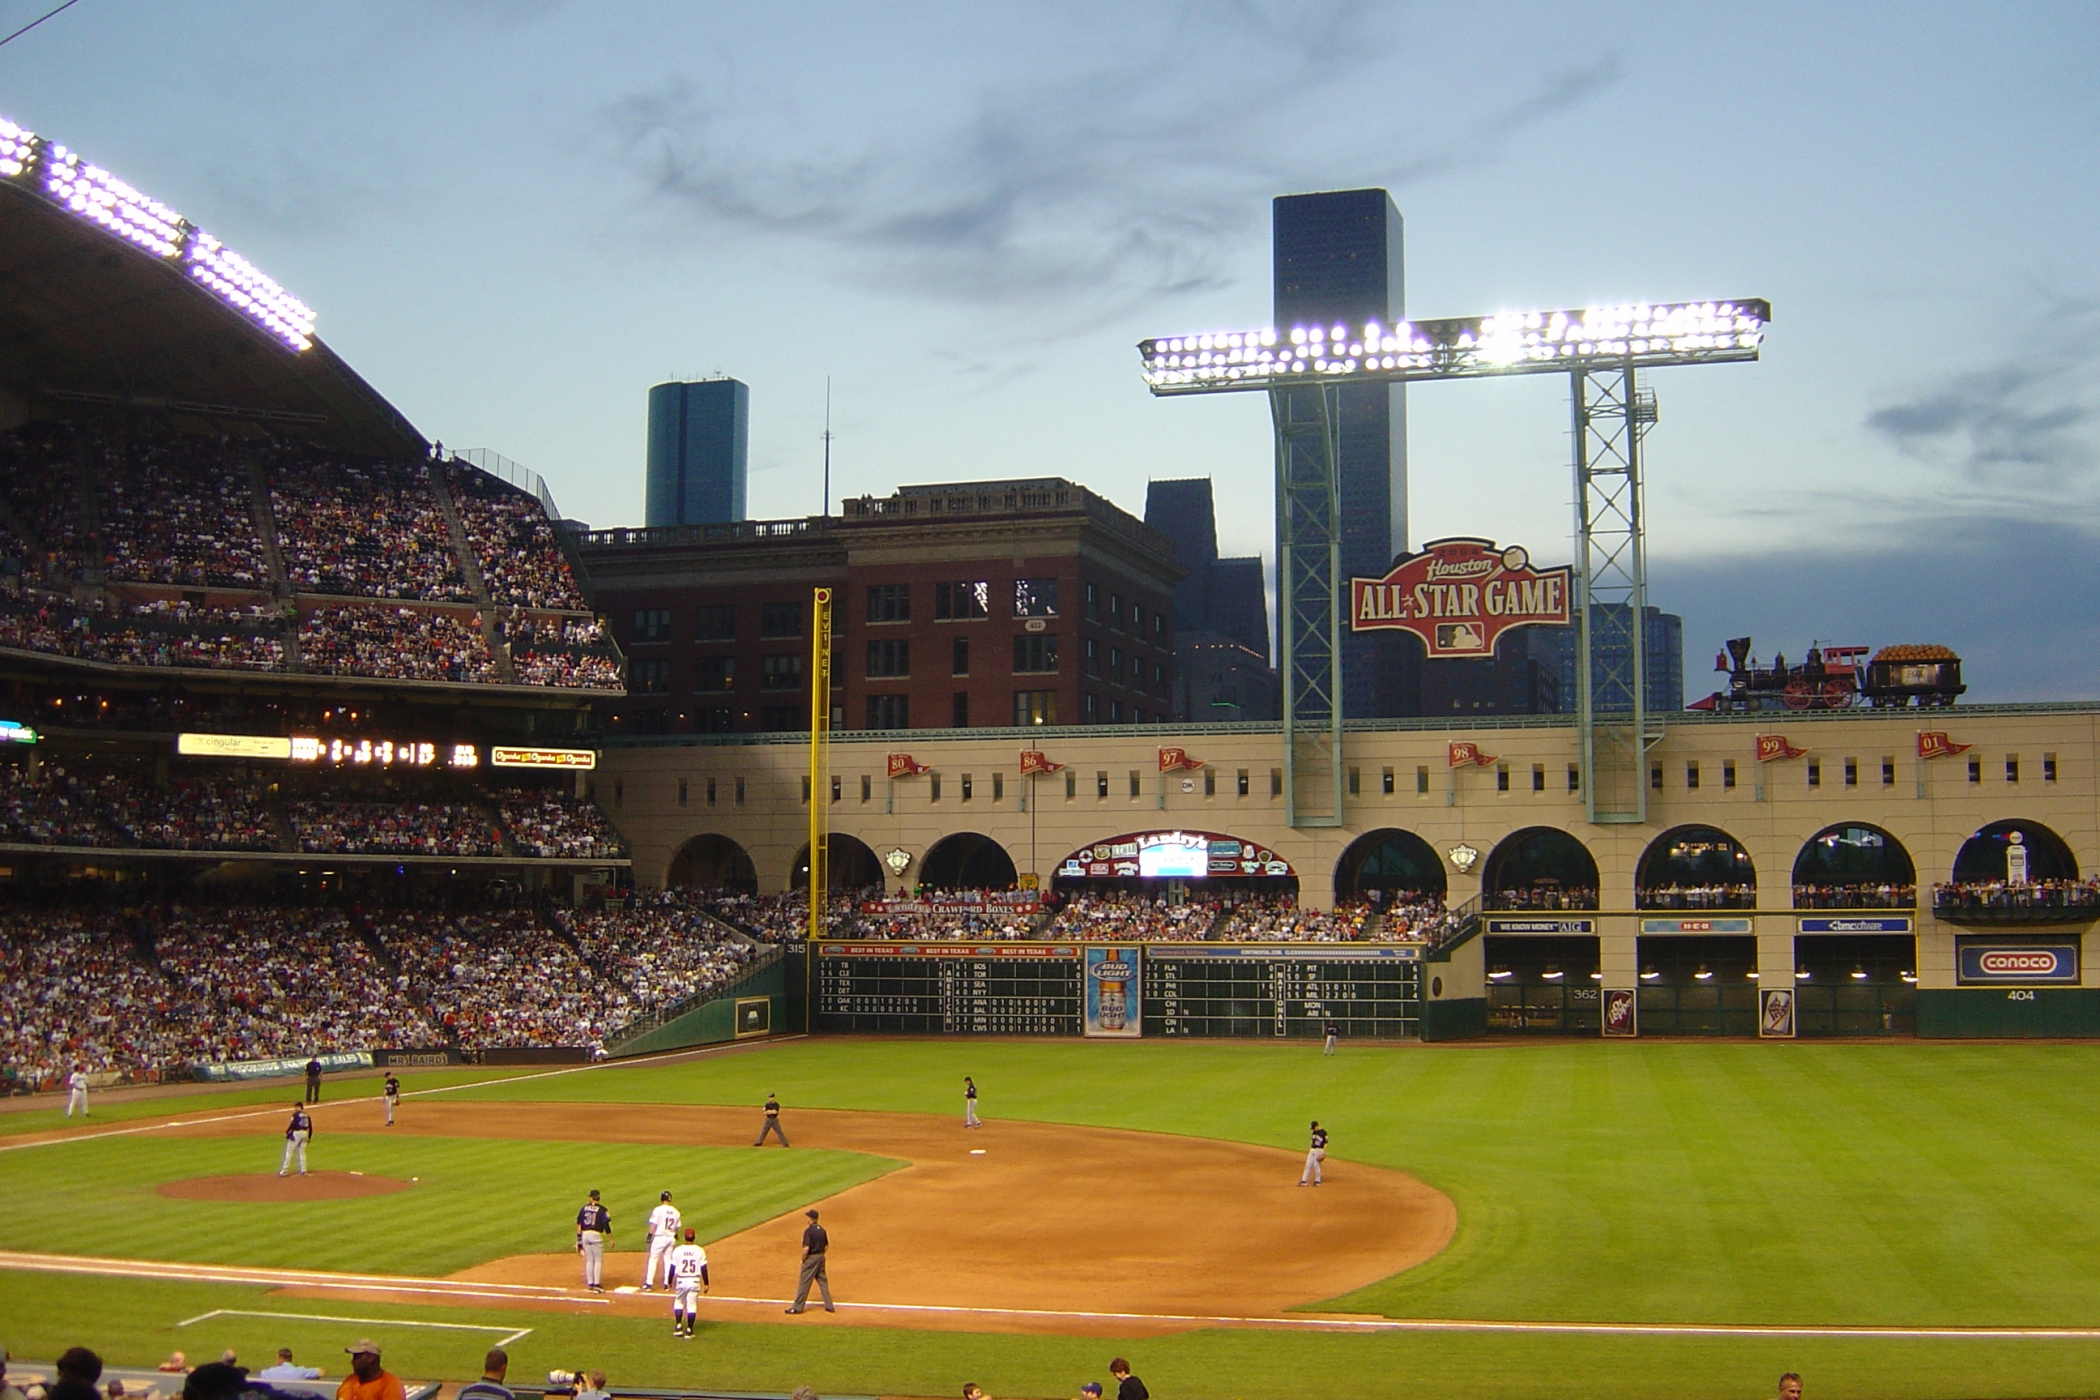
1334, 1032
593, 1233
1314, 1155
662, 1231
297, 1134
76, 1084
772, 1123
391, 1095
970, 1103
688, 1279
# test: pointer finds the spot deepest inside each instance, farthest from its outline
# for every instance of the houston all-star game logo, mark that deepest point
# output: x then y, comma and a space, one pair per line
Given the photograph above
1458, 595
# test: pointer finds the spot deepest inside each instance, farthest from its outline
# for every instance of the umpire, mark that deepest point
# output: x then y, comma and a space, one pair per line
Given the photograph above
815, 1242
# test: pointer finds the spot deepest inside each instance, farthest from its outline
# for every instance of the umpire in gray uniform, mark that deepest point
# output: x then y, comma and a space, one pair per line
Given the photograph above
815, 1242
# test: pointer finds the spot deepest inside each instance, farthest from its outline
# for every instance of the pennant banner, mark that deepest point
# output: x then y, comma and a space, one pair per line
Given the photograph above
1772, 747
1934, 743
1036, 761
902, 765
1464, 751
1171, 759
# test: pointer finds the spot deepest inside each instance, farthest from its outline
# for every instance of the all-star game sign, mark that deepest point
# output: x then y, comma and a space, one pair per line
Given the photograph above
1458, 595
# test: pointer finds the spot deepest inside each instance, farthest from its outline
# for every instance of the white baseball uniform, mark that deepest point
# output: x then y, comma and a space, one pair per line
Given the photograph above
687, 1262
77, 1098
664, 1224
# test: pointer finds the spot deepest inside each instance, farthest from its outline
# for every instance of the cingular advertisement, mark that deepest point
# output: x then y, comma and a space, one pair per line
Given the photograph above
1112, 992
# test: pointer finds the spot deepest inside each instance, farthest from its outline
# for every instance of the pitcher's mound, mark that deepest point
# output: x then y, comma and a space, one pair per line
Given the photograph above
266, 1186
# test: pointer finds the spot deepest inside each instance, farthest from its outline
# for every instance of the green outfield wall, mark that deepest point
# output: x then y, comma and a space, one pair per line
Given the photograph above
731, 1016
1999, 1013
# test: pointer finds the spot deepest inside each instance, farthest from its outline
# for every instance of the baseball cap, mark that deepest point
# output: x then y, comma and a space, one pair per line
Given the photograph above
690, 1232
810, 1213
1090, 1388
667, 1195
364, 1346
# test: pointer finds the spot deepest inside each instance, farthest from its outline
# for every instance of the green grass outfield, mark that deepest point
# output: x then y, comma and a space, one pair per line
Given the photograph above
107, 1111
1895, 1183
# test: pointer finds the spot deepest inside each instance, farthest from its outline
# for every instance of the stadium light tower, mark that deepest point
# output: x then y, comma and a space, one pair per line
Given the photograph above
1602, 349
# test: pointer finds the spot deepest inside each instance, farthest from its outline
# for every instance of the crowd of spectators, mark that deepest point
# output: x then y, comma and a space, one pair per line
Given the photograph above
398, 643
1123, 914
40, 468
2001, 894
549, 826
1866, 895
176, 510
659, 951
1542, 897
363, 529
917, 922
1708, 896
513, 541
58, 807
502, 979
77, 994
144, 634
778, 918
193, 814
563, 651
394, 829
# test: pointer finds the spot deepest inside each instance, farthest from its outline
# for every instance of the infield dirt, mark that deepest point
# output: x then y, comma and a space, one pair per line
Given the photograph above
1038, 1220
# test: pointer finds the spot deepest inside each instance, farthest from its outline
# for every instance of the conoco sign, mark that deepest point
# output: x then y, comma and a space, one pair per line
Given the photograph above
1459, 595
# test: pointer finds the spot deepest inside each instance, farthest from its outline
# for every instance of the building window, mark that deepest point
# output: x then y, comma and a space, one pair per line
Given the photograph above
998, 786
1093, 603
890, 657
1092, 650
714, 622
1655, 777
1090, 706
714, 720
1851, 772
782, 719
1242, 776
780, 619
1888, 770
1386, 781
969, 787
1137, 620
867, 787
1975, 770
1159, 679
1035, 653
681, 792
805, 789
2048, 768
1115, 665
889, 602
933, 788
739, 792
1137, 784
1691, 775
714, 673
1035, 707
1502, 777
1727, 773
1159, 630
1355, 781
1815, 773
710, 792
958, 602
652, 624
1538, 777
2012, 768
1210, 781
1071, 785
959, 657
959, 710
780, 672
1574, 778
649, 677
1101, 782
1035, 597
1115, 711
889, 712
1275, 782
1115, 611
1421, 777
649, 721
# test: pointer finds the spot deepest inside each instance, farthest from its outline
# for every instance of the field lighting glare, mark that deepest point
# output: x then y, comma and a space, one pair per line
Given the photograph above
1649, 974
1527, 342
1704, 974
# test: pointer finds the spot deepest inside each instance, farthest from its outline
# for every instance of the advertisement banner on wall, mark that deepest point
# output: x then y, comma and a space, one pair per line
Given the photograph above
1775, 1013
1980, 964
1112, 992
1619, 1018
1900, 923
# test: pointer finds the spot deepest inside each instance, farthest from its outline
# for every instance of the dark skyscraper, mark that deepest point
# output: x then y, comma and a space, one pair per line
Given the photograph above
1338, 259
1221, 612
699, 443
1183, 511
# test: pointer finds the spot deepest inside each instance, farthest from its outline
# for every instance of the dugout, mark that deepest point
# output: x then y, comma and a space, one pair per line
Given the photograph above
1855, 984
1543, 984
1698, 984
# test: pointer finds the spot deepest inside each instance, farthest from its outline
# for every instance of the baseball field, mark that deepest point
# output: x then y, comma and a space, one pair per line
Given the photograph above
1640, 1219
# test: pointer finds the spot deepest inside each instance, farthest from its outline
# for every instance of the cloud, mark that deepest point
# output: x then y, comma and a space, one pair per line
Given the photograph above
2019, 601
2025, 422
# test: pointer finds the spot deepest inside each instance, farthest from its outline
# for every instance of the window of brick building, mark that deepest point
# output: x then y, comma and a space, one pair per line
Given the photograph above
652, 624
1035, 597
1035, 653
959, 602
780, 619
889, 712
1035, 707
714, 622
889, 602
780, 671
890, 656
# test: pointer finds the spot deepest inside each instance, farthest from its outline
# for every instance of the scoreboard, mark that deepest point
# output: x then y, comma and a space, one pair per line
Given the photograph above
1293, 990
1182, 989
948, 988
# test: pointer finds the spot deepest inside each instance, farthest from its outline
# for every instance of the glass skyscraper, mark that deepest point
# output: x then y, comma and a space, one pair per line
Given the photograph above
699, 449
1338, 258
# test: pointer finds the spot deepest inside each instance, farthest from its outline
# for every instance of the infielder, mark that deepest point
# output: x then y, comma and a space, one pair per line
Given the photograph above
593, 1233
1314, 1155
297, 1134
391, 1093
77, 1097
970, 1103
688, 1279
662, 1231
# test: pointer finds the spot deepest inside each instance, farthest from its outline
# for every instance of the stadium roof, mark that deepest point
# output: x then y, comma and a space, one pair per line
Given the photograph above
109, 299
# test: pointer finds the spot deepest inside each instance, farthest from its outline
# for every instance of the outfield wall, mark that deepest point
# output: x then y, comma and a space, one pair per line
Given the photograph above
778, 988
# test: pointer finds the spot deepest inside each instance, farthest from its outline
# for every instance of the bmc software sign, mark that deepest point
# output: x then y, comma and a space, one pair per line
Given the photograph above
1987, 964
1459, 595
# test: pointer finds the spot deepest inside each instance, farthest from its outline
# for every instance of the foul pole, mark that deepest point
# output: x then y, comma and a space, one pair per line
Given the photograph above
819, 758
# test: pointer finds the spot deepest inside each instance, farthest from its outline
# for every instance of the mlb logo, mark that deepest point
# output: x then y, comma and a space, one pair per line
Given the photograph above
1459, 636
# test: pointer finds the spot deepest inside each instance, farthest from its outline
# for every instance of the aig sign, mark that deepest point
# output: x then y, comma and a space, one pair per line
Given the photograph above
1999, 964
1459, 595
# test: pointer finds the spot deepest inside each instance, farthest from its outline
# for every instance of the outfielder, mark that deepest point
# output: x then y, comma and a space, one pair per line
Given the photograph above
77, 1097
688, 1279
970, 1103
593, 1232
391, 1093
1314, 1155
297, 1134
662, 1231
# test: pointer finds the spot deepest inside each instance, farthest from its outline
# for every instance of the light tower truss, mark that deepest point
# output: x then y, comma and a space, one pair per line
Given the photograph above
1602, 350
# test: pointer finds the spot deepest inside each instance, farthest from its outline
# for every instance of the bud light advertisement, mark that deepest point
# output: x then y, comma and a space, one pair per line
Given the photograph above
1112, 992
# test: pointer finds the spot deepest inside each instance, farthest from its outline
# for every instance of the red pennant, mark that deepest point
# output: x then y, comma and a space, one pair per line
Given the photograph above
1772, 747
1036, 761
902, 765
1934, 743
1464, 751
1171, 759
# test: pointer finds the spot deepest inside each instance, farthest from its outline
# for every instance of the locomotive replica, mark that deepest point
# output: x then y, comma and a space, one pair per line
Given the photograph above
1836, 678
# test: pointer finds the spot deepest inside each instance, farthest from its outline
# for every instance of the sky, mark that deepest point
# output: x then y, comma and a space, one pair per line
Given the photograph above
514, 216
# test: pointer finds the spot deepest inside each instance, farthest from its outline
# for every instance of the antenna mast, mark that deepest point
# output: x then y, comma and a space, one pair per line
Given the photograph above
827, 447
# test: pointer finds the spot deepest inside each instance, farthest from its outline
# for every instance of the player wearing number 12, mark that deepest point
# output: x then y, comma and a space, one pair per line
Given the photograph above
663, 1236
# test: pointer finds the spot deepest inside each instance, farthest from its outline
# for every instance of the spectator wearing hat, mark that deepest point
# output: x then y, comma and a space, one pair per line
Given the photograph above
368, 1380
78, 1370
287, 1370
1090, 1391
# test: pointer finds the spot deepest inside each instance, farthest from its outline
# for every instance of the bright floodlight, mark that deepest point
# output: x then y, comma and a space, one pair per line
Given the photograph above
1532, 342
92, 193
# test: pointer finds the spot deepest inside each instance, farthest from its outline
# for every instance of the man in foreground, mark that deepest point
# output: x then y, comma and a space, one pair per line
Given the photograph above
494, 1367
367, 1379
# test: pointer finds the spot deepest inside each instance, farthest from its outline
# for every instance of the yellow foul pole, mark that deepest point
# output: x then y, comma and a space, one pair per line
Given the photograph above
819, 759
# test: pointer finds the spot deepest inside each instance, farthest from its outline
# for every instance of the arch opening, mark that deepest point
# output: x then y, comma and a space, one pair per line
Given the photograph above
1390, 864
2013, 853
852, 865
967, 860
1854, 865
713, 862
1540, 867
1695, 867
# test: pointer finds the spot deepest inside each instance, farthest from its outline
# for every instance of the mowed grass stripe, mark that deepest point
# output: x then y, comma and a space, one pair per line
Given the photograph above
1895, 1184
477, 1198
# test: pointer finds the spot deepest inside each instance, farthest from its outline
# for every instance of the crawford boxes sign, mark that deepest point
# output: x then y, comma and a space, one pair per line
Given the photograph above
2010, 964
1459, 595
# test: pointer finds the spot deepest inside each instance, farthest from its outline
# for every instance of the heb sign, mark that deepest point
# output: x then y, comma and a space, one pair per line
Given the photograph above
1458, 595
1987, 964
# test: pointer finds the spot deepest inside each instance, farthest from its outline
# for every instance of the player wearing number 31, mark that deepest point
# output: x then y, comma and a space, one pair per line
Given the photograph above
297, 1134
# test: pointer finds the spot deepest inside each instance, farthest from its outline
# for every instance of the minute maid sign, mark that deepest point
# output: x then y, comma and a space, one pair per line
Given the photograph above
1458, 595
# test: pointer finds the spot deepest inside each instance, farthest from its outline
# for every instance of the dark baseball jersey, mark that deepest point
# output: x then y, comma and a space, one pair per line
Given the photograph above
393, 1087
300, 1123
594, 1217
1319, 1138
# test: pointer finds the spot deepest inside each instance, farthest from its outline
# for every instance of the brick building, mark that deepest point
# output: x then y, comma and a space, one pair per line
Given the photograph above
975, 605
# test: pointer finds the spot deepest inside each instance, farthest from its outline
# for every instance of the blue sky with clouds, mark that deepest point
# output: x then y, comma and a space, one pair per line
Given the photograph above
514, 217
